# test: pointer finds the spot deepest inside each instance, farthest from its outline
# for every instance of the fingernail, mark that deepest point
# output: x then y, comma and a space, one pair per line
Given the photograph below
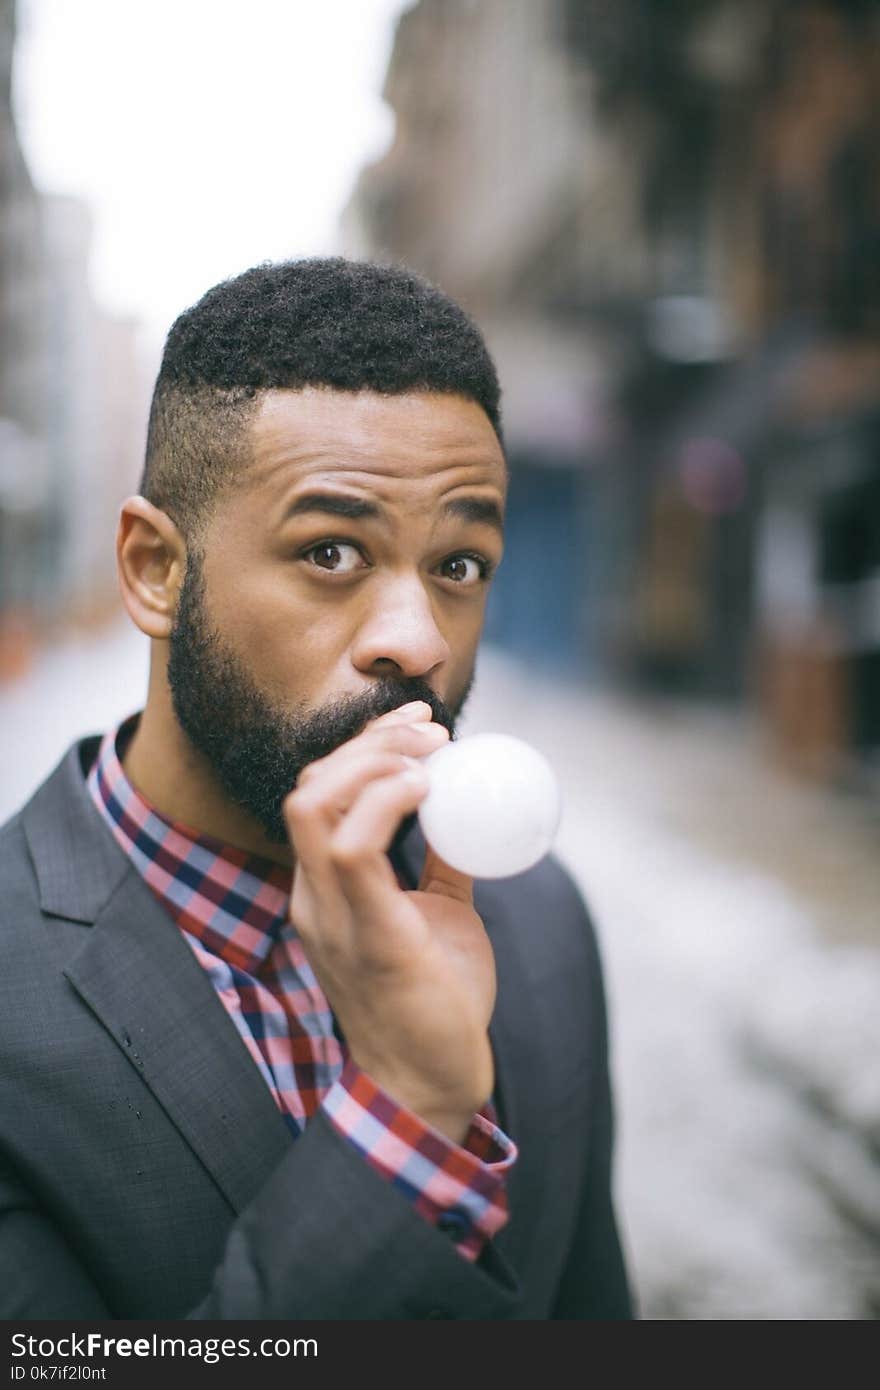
415, 772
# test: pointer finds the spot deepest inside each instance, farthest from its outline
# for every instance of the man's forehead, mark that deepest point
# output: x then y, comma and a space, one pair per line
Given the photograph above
413, 435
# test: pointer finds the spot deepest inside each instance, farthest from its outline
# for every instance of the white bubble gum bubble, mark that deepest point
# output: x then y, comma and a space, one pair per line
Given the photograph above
493, 805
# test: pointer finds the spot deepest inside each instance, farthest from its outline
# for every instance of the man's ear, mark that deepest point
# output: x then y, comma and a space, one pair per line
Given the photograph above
151, 562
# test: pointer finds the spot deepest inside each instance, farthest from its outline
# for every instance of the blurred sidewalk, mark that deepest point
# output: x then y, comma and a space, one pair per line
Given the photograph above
737, 914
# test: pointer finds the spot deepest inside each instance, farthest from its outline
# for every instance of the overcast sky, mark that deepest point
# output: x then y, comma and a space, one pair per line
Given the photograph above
206, 135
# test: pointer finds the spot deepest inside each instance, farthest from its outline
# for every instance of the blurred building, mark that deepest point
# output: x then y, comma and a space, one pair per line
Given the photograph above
72, 406
667, 218
24, 490
95, 425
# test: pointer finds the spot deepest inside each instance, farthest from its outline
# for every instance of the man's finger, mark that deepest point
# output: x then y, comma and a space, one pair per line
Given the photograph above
412, 713
318, 803
369, 827
357, 849
330, 784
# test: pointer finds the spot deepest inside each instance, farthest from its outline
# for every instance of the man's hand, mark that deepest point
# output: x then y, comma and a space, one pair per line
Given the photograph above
410, 975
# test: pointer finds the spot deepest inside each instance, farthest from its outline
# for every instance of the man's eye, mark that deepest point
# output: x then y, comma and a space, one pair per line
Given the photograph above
466, 569
338, 557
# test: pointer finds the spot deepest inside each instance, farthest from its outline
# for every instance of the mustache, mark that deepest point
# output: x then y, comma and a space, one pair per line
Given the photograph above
346, 717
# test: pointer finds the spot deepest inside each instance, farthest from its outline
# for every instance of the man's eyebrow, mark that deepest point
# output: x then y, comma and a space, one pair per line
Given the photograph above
480, 509
353, 508
475, 509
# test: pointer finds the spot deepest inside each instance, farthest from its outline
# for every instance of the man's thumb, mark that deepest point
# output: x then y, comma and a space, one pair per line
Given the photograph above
440, 877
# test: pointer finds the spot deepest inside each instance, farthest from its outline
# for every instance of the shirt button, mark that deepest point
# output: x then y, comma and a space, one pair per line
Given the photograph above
453, 1223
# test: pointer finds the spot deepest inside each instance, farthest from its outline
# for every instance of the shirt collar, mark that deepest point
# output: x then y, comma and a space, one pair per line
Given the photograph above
233, 901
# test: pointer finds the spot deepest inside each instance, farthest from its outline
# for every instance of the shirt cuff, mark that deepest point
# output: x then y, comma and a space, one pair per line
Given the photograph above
457, 1188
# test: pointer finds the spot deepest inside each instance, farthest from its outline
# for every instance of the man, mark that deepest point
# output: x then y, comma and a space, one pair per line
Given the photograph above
262, 1053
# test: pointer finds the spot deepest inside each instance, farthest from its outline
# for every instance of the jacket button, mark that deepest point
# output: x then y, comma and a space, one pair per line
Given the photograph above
453, 1223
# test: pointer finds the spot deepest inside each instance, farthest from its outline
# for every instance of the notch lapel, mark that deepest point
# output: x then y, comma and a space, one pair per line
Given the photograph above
141, 980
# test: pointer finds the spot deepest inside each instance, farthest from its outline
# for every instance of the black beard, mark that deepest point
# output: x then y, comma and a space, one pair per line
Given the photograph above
258, 751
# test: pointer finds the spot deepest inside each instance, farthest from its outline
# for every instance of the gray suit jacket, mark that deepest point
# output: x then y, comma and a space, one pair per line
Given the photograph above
145, 1171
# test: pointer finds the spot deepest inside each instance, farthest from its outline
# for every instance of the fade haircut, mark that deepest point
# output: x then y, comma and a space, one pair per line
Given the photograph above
348, 325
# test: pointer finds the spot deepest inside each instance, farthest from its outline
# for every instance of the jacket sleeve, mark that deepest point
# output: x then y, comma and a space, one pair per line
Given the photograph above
327, 1237
354, 1250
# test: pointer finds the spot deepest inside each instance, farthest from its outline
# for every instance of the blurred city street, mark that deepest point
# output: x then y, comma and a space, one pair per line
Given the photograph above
737, 915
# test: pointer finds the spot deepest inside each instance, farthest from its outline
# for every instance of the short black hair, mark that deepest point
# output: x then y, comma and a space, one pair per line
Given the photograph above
349, 325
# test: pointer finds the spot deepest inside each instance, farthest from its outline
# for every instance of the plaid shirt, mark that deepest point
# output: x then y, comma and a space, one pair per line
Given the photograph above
232, 909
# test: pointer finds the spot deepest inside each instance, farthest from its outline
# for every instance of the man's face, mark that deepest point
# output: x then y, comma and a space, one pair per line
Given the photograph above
345, 575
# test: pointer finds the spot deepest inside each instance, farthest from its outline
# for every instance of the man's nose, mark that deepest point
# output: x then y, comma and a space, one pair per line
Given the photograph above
401, 630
